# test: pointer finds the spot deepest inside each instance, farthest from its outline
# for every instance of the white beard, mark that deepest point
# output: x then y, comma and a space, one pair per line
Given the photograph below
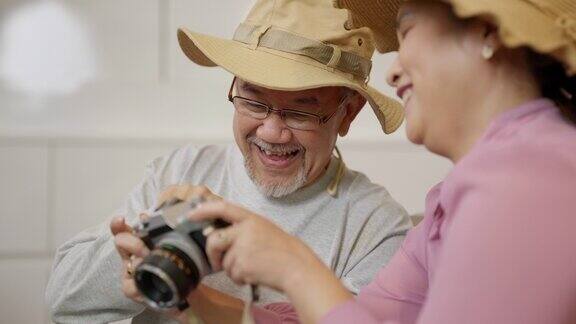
275, 189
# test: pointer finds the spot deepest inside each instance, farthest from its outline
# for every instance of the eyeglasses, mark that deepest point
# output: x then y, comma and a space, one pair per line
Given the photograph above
294, 119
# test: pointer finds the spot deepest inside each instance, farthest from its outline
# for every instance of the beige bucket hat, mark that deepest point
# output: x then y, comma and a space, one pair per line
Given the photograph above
546, 26
295, 45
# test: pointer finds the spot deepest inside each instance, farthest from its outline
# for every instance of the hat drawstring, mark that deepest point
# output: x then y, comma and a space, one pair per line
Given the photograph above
335, 59
333, 186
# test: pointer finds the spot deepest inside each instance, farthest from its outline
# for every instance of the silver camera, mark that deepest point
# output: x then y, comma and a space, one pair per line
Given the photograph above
177, 260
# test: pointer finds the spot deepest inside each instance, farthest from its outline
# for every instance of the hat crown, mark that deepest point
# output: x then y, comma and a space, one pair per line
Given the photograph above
317, 20
562, 11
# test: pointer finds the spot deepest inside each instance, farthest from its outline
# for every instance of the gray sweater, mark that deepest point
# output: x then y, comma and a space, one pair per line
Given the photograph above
355, 233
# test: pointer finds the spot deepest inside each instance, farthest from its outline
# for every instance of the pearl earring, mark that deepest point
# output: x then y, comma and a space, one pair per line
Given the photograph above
487, 52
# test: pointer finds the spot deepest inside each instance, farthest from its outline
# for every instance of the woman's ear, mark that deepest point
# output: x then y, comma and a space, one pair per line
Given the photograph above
492, 42
353, 105
483, 38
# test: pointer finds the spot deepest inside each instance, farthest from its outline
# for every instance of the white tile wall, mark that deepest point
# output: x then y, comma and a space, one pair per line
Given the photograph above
125, 36
23, 281
222, 21
23, 197
91, 182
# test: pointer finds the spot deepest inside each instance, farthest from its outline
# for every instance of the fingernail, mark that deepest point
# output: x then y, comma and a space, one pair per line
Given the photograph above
208, 230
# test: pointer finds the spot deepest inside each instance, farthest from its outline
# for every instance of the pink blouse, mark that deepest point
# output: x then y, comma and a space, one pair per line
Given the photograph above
498, 239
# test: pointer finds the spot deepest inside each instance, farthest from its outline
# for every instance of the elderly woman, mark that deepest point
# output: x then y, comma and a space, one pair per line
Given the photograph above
489, 85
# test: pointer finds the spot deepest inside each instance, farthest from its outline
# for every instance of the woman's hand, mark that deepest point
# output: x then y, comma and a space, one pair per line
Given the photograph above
254, 250
132, 250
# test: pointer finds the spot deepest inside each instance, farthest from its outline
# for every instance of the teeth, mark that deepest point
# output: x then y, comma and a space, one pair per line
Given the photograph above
406, 95
268, 152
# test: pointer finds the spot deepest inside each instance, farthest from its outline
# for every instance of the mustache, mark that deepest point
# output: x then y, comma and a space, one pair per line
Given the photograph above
274, 147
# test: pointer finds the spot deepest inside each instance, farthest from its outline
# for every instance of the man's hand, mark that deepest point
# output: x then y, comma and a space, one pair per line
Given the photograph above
186, 193
132, 250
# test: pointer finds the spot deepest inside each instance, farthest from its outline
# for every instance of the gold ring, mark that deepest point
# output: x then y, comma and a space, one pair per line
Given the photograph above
223, 237
130, 268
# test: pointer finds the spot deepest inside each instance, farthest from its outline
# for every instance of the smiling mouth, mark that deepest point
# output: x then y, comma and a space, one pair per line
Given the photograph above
280, 158
278, 154
406, 96
405, 93
403, 89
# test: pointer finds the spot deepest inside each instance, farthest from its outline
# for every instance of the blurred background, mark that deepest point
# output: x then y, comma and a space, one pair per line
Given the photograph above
90, 91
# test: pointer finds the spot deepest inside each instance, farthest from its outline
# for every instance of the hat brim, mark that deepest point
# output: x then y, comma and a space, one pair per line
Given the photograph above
282, 71
519, 24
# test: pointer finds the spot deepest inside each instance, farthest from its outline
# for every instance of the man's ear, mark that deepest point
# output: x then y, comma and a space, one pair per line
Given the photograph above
352, 106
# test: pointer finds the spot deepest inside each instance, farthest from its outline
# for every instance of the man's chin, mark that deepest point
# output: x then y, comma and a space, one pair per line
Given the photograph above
276, 186
272, 184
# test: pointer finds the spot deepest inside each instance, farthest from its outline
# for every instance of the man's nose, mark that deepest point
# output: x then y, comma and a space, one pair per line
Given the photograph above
274, 130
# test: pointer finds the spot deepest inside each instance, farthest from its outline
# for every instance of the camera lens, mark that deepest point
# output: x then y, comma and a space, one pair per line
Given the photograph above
156, 288
166, 276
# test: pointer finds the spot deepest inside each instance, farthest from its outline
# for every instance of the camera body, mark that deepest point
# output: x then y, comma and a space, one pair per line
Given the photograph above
177, 260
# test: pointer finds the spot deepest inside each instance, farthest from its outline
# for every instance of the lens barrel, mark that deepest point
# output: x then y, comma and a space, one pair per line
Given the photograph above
166, 276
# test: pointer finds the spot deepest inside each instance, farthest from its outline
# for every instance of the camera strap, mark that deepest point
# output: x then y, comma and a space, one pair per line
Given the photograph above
247, 317
332, 188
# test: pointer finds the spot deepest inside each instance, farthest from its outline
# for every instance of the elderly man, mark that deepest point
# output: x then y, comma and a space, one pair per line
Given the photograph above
300, 79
